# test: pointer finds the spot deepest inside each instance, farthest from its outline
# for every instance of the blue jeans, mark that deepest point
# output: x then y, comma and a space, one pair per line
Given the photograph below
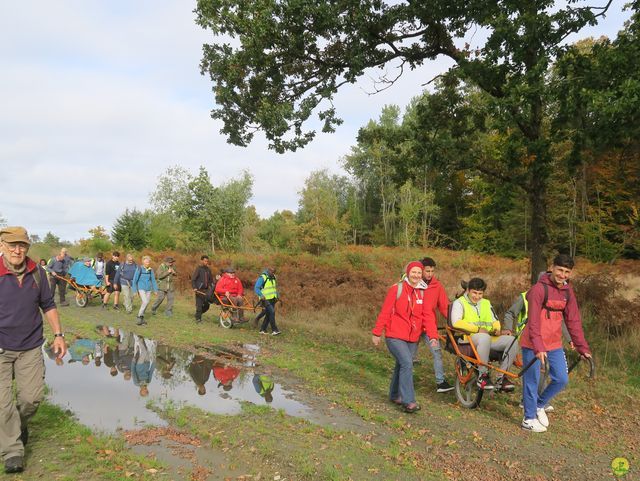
270, 317
558, 372
402, 378
438, 366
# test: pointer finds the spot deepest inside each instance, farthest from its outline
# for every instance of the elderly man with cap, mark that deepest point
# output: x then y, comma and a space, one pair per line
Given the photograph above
230, 289
58, 267
165, 275
24, 293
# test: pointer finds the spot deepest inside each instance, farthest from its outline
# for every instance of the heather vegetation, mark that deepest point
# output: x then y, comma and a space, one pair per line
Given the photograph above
325, 356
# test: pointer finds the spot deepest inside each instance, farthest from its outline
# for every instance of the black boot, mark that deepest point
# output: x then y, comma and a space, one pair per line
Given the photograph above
14, 465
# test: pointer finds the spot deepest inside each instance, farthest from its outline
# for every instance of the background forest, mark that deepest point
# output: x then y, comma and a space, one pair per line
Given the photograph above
444, 171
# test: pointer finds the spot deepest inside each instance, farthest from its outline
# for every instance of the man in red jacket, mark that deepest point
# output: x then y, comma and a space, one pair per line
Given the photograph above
551, 301
435, 298
230, 289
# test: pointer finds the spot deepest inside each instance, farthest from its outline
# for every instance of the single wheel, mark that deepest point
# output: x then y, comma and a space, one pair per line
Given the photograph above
225, 319
81, 299
467, 390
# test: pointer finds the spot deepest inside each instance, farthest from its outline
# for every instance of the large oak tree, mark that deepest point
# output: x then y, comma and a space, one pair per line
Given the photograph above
276, 62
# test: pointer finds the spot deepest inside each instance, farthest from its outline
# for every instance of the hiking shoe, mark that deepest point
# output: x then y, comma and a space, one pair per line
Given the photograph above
198, 321
14, 465
411, 408
542, 417
533, 425
263, 332
140, 321
24, 436
444, 386
484, 382
506, 385
116, 307
104, 306
276, 333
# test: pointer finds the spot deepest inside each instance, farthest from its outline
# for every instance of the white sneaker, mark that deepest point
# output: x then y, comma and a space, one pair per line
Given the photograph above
533, 425
542, 417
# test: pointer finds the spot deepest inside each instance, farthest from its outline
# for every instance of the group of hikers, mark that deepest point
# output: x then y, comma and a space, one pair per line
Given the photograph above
27, 291
129, 278
537, 318
407, 315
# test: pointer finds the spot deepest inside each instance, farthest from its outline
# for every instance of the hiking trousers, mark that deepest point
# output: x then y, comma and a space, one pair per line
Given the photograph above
127, 296
269, 317
438, 365
145, 298
62, 288
28, 369
202, 306
487, 345
169, 295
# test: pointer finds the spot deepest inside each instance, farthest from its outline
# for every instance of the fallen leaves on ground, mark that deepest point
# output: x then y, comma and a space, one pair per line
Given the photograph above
149, 436
200, 473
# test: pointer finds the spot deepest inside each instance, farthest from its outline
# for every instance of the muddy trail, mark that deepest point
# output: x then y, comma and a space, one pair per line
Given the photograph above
124, 383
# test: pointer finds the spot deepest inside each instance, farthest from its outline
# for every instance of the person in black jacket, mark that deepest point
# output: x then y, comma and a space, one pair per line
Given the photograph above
202, 281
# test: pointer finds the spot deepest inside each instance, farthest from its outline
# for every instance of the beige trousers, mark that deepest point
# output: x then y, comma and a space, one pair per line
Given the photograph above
27, 367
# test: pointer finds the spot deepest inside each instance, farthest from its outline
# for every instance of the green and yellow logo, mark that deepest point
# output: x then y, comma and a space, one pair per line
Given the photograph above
620, 466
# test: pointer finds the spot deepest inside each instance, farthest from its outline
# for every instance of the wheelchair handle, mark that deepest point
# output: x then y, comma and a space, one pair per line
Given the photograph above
521, 373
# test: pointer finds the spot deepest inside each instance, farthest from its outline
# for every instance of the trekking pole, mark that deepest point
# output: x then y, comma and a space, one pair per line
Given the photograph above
521, 373
592, 366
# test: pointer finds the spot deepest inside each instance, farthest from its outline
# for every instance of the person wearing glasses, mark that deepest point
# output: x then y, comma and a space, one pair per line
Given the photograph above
24, 293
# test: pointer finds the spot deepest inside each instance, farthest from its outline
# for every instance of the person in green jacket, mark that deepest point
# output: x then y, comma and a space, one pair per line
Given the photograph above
165, 275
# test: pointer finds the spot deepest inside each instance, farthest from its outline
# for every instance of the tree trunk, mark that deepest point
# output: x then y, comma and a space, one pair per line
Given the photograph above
538, 233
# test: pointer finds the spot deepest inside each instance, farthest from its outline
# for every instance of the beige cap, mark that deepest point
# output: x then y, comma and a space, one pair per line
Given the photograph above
14, 234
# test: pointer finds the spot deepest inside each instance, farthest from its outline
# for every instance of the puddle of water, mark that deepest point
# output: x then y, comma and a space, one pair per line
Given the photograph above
108, 388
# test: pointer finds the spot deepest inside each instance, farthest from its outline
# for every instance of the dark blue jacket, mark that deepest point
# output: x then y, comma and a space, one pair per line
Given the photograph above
20, 304
125, 274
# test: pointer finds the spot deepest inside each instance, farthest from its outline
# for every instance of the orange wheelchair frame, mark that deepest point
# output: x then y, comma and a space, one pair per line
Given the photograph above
467, 362
228, 309
82, 293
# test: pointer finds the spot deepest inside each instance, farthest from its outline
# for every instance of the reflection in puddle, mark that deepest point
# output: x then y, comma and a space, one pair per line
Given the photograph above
108, 384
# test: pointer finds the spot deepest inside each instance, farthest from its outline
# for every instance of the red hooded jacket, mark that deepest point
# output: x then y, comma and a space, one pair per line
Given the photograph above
403, 317
435, 297
229, 284
543, 331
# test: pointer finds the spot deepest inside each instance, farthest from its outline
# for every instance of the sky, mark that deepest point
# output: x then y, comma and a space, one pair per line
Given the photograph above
99, 98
